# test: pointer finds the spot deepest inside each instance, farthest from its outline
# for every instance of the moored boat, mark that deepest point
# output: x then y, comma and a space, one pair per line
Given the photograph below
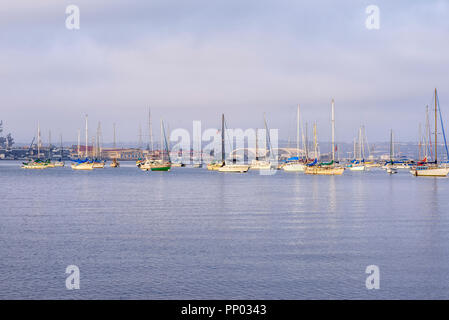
324, 170
327, 168
429, 171
214, 166
294, 166
433, 169
358, 167
36, 164
83, 166
98, 164
260, 165
160, 165
114, 163
240, 168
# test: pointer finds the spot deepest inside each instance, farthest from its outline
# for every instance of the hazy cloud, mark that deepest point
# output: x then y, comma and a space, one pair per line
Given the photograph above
192, 60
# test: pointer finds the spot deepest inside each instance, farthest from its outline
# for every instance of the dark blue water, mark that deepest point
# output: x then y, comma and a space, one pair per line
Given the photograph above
195, 234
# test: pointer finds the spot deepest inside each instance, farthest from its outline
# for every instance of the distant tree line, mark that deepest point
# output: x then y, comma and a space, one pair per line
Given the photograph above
5, 142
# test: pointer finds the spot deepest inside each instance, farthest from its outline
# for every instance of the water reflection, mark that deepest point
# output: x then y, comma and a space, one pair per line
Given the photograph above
191, 233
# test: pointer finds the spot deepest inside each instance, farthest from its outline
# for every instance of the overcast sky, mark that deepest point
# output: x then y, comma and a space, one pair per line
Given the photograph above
194, 59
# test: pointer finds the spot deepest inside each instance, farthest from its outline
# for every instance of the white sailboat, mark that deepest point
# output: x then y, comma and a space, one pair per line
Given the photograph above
357, 164
84, 165
296, 166
225, 167
257, 163
37, 163
432, 169
390, 167
329, 168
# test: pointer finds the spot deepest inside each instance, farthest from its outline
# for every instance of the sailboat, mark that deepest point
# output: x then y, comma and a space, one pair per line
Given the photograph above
325, 168
159, 164
358, 164
215, 165
114, 163
433, 169
390, 166
37, 163
83, 164
223, 166
295, 164
98, 164
257, 163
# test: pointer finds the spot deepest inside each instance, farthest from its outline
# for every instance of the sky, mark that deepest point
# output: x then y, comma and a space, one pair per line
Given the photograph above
195, 59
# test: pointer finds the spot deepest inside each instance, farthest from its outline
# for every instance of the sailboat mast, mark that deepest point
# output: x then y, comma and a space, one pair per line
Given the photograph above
391, 145
257, 145
436, 128
364, 141
333, 130
93, 154
267, 138
100, 140
303, 139
428, 136
307, 141
222, 139
420, 142
87, 142
79, 142
150, 131
360, 143
297, 132
315, 141
38, 140
162, 133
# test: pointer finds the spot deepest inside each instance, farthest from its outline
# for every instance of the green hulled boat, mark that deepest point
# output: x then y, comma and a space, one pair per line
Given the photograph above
160, 166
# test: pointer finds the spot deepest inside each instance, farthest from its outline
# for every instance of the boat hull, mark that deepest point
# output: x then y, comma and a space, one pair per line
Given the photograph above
239, 168
260, 165
357, 168
83, 166
324, 171
34, 167
160, 168
214, 166
294, 167
430, 172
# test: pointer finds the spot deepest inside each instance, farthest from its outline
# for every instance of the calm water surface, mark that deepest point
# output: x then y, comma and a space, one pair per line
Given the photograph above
195, 234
